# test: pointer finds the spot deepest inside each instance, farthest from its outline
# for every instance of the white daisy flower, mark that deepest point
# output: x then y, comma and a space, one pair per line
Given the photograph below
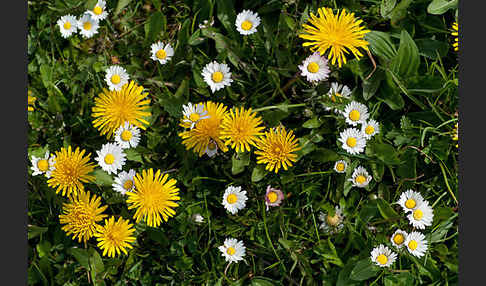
273, 197
43, 165
340, 166
355, 113
332, 224
193, 114
370, 128
198, 218
217, 76
315, 68
410, 200
383, 256
338, 90
116, 77
360, 177
416, 244
232, 250
421, 216
353, 140
127, 136
247, 22
87, 25
99, 11
111, 158
124, 182
161, 52
68, 25
398, 238
212, 148
234, 199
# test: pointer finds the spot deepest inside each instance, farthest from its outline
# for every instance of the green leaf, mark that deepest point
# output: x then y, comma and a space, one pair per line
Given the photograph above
400, 11
133, 155
390, 93
102, 178
371, 85
383, 151
262, 281
312, 123
34, 231
439, 7
81, 256
407, 60
386, 211
258, 173
96, 262
121, 4
156, 24
239, 161
227, 16
381, 45
324, 155
399, 279
432, 49
386, 7
43, 248
441, 230
363, 270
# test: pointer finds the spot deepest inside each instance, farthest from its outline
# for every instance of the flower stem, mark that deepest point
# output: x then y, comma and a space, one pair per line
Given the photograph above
279, 106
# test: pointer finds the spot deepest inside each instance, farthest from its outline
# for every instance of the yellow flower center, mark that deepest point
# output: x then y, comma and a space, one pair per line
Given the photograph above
87, 26
232, 198
351, 142
272, 197
369, 129
211, 146
67, 25
246, 25
217, 76
354, 115
410, 203
412, 245
340, 167
313, 67
382, 259
230, 250
126, 135
360, 179
194, 117
333, 220
109, 159
398, 238
115, 79
128, 184
161, 54
333, 98
42, 165
418, 214
98, 10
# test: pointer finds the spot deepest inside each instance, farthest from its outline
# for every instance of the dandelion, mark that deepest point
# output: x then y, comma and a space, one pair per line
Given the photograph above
273, 197
421, 216
410, 200
360, 177
383, 256
355, 113
338, 91
207, 130
81, 214
276, 149
340, 166
241, 129
315, 68
124, 182
398, 238
455, 135
71, 170
30, 101
111, 158
370, 128
234, 199
43, 165
115, 236
192, 114
116, 77
161, 52
68, 25
455, 33
416, 244
127, 136
87, 25
153, 198
332, 224
99, 11
232, 250
340, 34
217, 76
352, 140
114, 108
247, 22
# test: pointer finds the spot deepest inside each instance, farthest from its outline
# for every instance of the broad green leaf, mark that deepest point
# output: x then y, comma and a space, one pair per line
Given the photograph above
432, 48
363, 270
227, 16
386, 7
96, 262
121, 4
371, 85
386, 211
133, 155
400, 11
258, 173
312, 123
399, 279
81, 255
381, 45
390, 93
324, 155
439, 7
156, 24
383, 151
407, 60
34, 231
262, 281
239, 161
441, 230
102, 178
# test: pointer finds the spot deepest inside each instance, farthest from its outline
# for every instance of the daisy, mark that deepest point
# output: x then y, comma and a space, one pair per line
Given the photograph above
212, 149
416, 244
99, 11
115, 236
161, 52
352, 140
340, 166
217, 76
315, 68
111, 158
398, 238
247, 22
409, 200
340, 34
68, 25
43, 165
421, 216
355, 113
383, 256
332, 224
241, 129
273, 197
124, 182
127, 136
337, 90
234, 199
360, 177
232, 250
116, 77
198, 218
87, 26
193, 114
370, 128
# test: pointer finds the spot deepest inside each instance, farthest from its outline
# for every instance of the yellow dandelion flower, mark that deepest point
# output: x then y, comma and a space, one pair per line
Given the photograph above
80, 216
153, 197
115, 236
241, 129
206, 130
71, 171
455, 135
276, 149
340, 33
30, 101
113, 108
455, 33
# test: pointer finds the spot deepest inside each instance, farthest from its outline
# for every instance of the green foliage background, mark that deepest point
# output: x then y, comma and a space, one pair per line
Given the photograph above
413, 94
